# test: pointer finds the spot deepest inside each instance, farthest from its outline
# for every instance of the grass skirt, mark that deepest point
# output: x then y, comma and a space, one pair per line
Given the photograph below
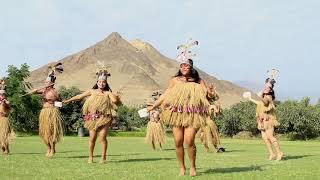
102, 105
266, 120
6, 134
97, 123
209, 135
185, 105
155, 133
50, 125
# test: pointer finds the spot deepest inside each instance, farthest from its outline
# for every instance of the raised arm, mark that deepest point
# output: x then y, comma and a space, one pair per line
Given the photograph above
78, 97
253, 100
114, 97
211, 90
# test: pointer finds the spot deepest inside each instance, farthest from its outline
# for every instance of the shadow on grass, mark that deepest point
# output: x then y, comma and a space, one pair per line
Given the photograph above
144, 160
169, 149
233, 170
235, 150
32, 153
86, 156
80, 157
296, 157
27, 153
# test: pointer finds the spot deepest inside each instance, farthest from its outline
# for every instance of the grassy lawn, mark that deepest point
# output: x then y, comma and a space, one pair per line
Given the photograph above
130, 158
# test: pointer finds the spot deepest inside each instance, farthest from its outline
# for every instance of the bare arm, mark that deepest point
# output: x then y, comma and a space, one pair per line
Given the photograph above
78, 97
211, 90
36, 91
253, 100
114, 98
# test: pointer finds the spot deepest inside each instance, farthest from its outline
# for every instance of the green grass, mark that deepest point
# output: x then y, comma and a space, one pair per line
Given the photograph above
130, 158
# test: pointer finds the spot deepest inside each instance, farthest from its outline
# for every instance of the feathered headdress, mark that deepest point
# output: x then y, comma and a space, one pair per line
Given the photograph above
186, 56
269, 84
2, 86
102, 71
272, 74
52, 72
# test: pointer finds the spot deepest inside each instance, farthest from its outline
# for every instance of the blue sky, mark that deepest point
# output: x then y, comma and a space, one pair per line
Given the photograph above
239, 39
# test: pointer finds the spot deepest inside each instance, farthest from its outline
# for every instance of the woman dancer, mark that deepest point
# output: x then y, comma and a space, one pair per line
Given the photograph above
50, 119
5, 129
267, 120
209, 135
155, 131
98, 111
185, 107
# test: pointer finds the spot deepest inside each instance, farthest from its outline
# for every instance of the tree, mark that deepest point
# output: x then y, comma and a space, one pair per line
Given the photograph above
24, 109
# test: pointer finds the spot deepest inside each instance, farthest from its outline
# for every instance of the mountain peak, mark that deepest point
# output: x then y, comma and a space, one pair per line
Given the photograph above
113, 40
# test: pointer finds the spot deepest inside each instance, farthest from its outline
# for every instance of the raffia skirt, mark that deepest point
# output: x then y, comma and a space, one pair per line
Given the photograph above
97, 123
50, 125
6, 133
155, 133
266, 121
209, 135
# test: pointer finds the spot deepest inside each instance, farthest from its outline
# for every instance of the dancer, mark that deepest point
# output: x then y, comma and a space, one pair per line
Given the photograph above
267, 120
98, 111
50, 119
185, 107
155, 131
5, 129
209, 135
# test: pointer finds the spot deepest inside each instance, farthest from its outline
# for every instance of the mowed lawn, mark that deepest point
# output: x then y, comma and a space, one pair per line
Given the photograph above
129, 158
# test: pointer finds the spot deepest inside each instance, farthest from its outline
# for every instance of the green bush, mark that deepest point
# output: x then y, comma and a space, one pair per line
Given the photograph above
71, 112
24, 108
128, 118
300, 119
239, 117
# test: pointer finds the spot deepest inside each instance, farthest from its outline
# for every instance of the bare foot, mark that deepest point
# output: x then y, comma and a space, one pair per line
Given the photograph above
272, 157
193, 172
280, 156
49, 155
103, 161
90, 160
182, 171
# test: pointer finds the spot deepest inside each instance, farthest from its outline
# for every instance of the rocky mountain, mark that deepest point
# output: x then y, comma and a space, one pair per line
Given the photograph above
136, 67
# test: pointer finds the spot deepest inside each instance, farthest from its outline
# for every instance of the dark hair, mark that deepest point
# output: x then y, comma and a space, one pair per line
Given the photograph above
193, 74
272, 81
106, 88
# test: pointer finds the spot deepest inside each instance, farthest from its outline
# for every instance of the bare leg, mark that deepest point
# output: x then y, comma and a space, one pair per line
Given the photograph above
48, 150
178, 140
92, 142
268, 145
104, 143
6, 149
273, 140
3, 149
160, 146
153, 146
189, 135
